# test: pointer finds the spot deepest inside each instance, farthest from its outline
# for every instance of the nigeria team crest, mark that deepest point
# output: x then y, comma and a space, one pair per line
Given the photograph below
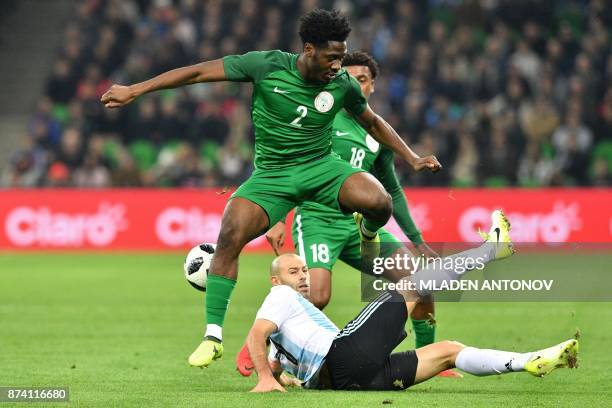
324, 102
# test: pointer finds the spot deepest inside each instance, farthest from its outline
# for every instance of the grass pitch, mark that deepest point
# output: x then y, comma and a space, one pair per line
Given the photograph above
117, 329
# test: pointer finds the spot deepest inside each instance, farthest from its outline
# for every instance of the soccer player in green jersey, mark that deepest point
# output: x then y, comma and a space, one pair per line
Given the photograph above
322, 235
295, 100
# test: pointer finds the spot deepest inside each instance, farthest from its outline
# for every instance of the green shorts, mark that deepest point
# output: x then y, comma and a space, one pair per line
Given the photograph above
278, 191
322, 240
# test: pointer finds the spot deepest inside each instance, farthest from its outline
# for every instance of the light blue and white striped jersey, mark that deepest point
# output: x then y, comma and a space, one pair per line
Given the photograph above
304, 333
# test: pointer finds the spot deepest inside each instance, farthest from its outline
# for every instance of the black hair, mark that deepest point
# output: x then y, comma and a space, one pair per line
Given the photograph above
320, 26
362, 59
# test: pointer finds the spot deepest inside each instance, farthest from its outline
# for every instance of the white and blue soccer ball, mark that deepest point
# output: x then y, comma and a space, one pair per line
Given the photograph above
197, 265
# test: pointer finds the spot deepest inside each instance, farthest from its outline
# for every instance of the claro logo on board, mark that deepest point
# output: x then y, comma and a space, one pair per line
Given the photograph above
41, 226
554, 226
177, 226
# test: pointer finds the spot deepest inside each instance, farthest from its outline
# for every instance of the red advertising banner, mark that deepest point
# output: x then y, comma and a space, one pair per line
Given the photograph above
129, 219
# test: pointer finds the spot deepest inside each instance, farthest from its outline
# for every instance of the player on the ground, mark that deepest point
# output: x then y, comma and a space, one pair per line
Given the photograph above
305, 343
295, 99
322, 235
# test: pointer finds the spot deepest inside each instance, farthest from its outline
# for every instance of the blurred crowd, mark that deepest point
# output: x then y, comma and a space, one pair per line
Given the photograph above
503, 92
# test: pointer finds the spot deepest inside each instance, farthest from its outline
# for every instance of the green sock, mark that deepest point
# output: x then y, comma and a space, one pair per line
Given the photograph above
218, 292
372, 226
424, 332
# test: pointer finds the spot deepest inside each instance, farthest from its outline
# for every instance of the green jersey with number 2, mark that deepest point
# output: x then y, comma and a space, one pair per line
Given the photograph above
292, 118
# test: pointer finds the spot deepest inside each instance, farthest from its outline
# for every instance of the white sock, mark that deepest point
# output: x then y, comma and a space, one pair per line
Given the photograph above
214, 330
446, 269
488, 362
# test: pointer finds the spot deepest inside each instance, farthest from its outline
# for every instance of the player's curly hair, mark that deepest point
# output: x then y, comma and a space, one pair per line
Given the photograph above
362, 59
320, 26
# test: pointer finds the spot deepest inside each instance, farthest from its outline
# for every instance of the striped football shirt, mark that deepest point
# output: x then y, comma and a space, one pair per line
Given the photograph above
304, 335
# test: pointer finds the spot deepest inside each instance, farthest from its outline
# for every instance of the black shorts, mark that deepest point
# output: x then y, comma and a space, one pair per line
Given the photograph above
360, 357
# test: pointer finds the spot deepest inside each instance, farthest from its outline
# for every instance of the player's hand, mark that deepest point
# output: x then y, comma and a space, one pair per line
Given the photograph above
427, 162
276, 237
268, 384
426, 250
117, 95
287, 381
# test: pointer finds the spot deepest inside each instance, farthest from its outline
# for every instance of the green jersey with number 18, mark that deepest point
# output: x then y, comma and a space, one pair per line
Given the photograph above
292, 118
354, 145
351, 141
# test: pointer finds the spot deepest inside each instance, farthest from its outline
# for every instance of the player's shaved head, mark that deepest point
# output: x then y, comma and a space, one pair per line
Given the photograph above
290, 270
280, 263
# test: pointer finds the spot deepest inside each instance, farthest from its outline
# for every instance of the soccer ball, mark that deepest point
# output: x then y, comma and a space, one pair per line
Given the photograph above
197, 265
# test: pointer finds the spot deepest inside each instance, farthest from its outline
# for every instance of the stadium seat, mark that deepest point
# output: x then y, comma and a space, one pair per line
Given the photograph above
111, 150
529, 183
603, 150
462, 183
548, 151
496, 182
209, 152
144, 154
61, 113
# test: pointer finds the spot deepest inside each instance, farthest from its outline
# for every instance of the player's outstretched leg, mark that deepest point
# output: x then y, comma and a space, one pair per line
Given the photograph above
497, 246
499, 235
443, 355
362, 193
544, 361
242, 221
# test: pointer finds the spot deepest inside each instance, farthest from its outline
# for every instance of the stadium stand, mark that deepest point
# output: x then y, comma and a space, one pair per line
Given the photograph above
499, 98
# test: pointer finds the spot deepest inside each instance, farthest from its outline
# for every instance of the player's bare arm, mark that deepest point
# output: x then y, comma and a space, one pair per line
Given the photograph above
208, 71
276, 369
380, 130
256, 343
276, 237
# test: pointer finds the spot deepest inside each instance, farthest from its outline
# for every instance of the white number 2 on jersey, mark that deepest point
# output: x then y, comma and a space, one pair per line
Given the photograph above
357, 156
303, 111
